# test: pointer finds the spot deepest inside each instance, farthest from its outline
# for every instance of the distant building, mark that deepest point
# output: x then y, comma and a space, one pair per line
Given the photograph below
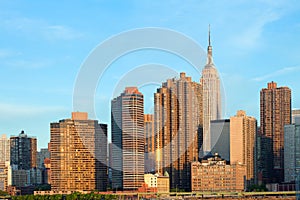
23, 150
78, 154
47, 171
295, 113
212, 174
5, 175
4, 149
21, 178
220, 137
127, 126
149, 143
292, 151
275, 112
5, 169
110, 160
242, 143
41, 156
178, 128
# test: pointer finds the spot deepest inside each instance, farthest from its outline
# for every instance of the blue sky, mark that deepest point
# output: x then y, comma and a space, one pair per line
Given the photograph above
43, 45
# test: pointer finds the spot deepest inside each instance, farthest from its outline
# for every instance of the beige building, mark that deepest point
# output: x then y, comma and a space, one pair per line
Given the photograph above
242, 142
275, 112
78, 154
128, 140
177, 123
4, 149
160, 183
213, 174
5, 169
210, 81
163, 184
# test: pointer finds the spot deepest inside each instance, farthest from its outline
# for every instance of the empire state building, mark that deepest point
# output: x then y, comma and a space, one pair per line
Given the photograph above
211, 97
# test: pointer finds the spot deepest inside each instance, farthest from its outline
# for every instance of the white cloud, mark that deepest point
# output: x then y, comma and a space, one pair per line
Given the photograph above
61, 32
277, 73
250, 37
37, 27
27, 64
9, 110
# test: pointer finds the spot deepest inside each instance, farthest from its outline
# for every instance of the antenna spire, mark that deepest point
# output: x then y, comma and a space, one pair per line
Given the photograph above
209, 48
209, 44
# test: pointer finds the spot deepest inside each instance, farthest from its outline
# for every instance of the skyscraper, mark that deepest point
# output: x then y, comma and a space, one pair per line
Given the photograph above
211, 97
78, 154
178, 128
275, 112
242, 143
149, 143
127, 125
23, 151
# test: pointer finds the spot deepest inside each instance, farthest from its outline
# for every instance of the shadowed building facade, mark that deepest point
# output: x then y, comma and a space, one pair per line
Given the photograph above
149, 143
78, 154
292, 151
220, 138
275, 112
178, 128
127, 125
23, 150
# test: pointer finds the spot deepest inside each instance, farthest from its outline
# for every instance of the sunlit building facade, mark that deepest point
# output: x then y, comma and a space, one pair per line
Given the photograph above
78, 154
213, 174
178, 128
275, 112
242, 143
128, 141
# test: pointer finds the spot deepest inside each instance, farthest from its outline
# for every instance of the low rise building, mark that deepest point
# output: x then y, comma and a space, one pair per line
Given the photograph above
214, 174
158, 183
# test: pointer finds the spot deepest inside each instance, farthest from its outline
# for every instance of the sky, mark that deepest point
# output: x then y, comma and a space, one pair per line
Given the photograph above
43, 45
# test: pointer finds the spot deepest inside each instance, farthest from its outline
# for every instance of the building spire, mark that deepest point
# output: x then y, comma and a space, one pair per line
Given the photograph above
209, 44
209, 48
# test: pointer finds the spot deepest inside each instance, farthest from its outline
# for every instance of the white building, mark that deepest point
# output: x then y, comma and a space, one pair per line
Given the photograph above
211, 97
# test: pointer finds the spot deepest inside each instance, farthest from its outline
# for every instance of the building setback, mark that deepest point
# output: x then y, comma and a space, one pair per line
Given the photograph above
78, 154
212, 174
178, 128
127, 125
275, 112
